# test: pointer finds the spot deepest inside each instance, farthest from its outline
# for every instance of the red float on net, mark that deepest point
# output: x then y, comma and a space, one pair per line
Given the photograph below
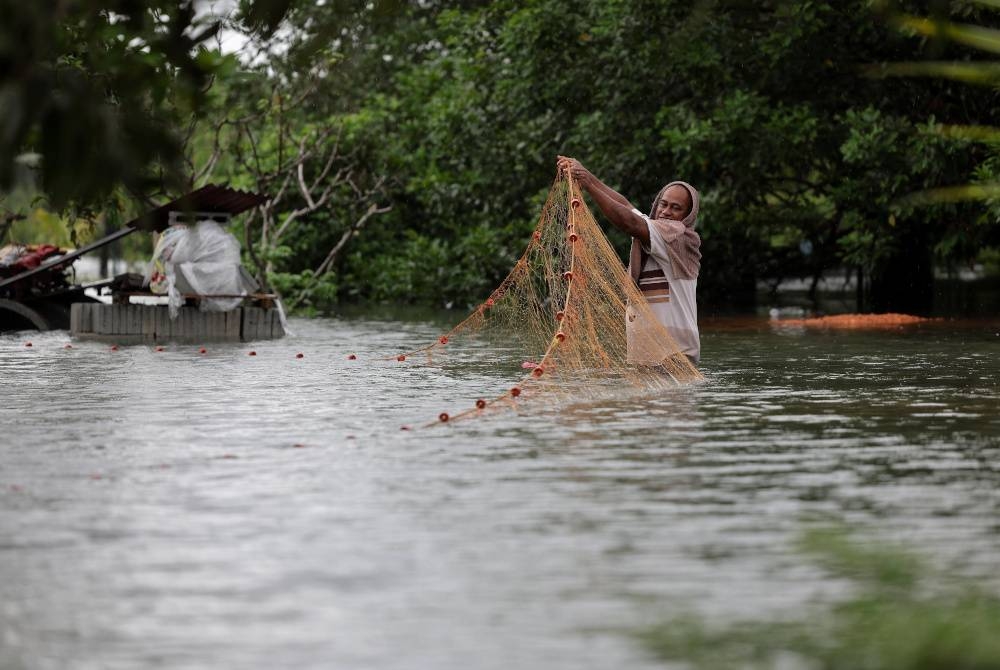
480, 404
575, 202
443, 416
560, 336
252, 353
567, 275
573, 237
114, 347
560, 315
28, 344
352, 357
203, 350
538, 371
401, 358
514, 392
300, 355
443, 339
537, 235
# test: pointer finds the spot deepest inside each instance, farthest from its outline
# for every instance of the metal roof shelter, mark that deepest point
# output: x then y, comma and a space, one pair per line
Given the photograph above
210, 198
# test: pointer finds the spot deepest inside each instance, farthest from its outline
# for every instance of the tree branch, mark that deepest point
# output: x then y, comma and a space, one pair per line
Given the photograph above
327, 263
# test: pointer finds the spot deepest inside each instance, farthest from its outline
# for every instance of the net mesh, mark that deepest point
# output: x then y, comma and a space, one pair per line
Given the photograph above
570, 312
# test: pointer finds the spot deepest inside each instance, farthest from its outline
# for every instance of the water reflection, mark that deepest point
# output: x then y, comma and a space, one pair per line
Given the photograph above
177, 510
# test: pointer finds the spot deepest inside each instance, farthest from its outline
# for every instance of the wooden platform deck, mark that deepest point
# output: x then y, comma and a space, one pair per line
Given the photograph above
136, 324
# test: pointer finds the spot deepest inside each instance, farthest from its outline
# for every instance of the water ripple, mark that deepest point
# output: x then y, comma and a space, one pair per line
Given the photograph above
173, 509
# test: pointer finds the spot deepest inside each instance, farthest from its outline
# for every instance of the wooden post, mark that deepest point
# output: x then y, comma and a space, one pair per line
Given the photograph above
148, 322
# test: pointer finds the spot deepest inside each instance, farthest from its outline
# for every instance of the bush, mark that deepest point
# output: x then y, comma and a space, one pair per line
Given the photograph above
903, 616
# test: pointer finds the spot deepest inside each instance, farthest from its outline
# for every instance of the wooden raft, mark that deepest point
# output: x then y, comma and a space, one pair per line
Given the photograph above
134, 324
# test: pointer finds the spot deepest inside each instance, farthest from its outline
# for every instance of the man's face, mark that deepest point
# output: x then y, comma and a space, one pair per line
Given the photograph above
675, 203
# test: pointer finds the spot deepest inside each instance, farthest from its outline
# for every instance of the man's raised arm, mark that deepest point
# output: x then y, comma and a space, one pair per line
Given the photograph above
615, 207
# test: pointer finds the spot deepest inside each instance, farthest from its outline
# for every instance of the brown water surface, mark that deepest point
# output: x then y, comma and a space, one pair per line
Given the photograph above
179, 510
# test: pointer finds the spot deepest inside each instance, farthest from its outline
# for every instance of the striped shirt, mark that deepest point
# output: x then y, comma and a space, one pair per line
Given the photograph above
673, 301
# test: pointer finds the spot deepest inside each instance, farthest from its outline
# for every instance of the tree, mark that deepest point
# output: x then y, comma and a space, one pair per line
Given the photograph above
452, 113
267, 132
765, 106
94, 93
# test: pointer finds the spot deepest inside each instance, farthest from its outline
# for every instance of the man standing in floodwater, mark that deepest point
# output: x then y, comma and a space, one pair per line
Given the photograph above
665, 257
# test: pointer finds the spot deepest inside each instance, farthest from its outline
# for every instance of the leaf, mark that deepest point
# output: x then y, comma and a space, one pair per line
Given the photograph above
983, 74
985, 39
952, 194
985, 134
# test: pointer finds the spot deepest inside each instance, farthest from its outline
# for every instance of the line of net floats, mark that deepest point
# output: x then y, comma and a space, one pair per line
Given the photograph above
537, 369
160, 348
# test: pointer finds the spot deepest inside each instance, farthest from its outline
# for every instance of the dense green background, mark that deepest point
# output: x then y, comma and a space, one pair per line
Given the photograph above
453, 113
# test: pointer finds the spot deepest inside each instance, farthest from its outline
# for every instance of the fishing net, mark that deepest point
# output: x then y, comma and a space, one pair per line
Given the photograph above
568, 321
890, 321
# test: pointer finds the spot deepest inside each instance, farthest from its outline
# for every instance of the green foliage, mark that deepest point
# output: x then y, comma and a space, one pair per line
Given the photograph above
453, 113
881, 568
761, 106
42, 226
977, 236
990, 258
94, 94
309, 294
901, 616
419, 268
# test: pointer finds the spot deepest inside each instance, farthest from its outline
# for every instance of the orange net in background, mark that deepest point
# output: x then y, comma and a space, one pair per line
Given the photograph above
563, 310
856, 321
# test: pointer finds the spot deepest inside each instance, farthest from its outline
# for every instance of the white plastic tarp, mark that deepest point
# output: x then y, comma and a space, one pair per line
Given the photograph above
203, 260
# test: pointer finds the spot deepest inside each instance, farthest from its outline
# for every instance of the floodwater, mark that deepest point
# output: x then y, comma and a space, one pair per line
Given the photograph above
183, 510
